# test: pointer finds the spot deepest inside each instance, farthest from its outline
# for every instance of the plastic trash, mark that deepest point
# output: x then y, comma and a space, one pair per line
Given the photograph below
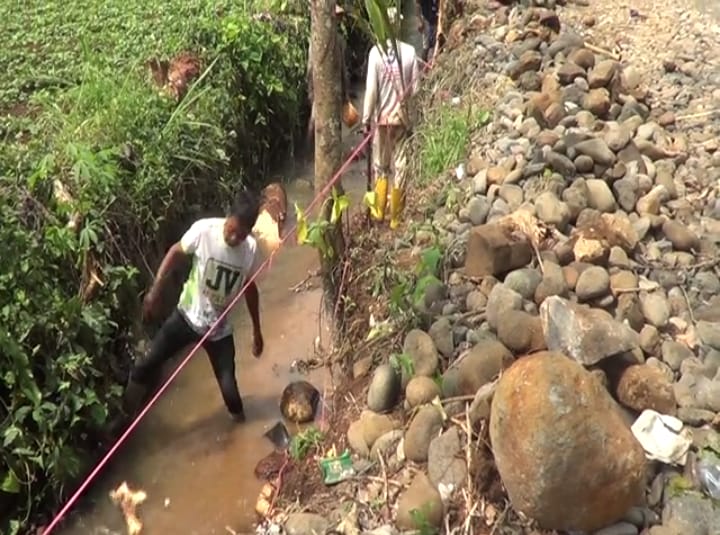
707, 471
336, 469
278, 435
663, 437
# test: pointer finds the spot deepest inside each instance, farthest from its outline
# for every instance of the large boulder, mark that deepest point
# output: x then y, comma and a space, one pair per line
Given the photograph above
564, 452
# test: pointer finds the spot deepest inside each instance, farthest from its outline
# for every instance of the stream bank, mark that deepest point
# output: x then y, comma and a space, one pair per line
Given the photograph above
600, 166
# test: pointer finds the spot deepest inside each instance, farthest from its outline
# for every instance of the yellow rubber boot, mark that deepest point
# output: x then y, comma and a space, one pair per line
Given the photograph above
381, 187
396, 207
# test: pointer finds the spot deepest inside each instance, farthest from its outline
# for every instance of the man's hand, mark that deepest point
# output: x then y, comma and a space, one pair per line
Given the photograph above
150, 304
258, 343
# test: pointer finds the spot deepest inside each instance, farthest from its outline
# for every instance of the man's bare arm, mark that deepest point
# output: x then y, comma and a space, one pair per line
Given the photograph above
174, 259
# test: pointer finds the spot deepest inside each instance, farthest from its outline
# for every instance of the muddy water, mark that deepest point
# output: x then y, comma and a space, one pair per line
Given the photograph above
195, 464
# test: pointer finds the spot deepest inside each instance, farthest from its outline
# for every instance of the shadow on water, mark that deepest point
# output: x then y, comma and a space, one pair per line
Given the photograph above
197, 465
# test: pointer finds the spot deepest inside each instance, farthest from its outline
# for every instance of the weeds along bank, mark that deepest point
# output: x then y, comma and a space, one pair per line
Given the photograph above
99, 169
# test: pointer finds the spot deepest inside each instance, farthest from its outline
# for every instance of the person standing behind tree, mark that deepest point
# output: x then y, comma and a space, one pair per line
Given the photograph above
427, 13
341, 51
390, 82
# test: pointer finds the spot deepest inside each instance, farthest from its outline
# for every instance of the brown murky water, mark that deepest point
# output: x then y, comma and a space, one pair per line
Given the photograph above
197, 465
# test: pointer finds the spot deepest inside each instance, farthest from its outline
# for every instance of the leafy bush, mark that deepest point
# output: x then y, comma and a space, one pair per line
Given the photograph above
84, 114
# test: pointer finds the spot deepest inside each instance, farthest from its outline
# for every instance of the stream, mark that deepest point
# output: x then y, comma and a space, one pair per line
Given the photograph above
195, 464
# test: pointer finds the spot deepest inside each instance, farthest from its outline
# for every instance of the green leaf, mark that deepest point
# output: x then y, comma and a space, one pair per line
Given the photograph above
340, 204
421, 286
10, 483
430, 261
484, 117
302, 226
10, 434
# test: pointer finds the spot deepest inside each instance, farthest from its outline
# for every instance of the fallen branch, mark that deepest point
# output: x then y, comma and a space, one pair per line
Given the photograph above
468, 397
377, 479
299, 286
699, 115
603, 51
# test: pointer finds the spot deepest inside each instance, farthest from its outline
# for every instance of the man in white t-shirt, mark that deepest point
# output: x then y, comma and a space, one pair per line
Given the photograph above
224, 255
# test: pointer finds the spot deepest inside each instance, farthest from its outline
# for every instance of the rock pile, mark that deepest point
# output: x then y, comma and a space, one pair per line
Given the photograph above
586, 292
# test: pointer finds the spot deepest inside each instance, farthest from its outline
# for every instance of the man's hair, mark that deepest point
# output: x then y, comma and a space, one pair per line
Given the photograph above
246, 208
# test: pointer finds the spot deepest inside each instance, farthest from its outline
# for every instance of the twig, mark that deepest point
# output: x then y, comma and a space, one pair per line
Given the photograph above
377, 479
386, 493
279, 482
537, 255
310, 275
687, 300
602, 51
699, 115
468, 462
629, 290
499, 519
470, 313
352, 398
468, 397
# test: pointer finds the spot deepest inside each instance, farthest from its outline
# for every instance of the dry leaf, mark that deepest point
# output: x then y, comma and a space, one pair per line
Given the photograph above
129, 501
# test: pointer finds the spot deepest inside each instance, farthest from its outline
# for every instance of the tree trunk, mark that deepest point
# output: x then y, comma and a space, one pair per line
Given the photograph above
326, 74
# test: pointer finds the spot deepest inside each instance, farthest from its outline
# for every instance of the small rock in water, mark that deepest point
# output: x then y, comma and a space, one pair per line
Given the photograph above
299, 401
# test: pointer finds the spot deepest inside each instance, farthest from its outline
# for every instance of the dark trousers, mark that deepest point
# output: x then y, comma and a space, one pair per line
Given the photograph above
172, 337
430, 35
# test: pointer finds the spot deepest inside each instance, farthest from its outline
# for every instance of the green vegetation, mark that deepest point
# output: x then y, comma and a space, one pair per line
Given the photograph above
305, 442
422, 524
317, 233
444, 136
98, 168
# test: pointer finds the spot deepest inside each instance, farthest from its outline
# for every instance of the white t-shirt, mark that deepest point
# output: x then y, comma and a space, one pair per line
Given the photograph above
218, 273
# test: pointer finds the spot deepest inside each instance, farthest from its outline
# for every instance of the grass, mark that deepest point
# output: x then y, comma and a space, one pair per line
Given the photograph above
445, 136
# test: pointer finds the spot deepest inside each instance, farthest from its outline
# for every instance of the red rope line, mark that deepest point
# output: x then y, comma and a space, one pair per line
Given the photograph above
133, 425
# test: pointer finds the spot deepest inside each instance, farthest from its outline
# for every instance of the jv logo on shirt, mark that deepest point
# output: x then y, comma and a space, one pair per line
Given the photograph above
221, 280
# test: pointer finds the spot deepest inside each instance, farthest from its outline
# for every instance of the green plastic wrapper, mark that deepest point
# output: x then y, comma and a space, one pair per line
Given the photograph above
337, 469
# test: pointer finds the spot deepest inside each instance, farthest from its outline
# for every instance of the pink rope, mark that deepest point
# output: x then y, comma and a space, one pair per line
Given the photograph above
133, 425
